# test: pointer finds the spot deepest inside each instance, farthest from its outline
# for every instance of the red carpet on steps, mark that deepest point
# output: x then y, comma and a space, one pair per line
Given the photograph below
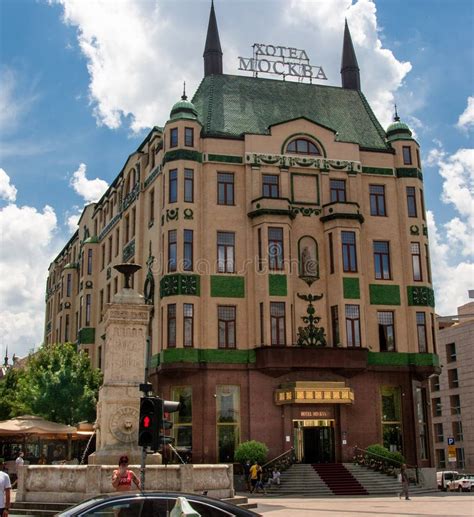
339, 479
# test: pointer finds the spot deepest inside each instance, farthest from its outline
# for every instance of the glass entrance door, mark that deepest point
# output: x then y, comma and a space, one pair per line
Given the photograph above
314, 441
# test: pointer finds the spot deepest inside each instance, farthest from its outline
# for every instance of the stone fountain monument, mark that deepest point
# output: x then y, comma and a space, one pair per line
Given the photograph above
126, 329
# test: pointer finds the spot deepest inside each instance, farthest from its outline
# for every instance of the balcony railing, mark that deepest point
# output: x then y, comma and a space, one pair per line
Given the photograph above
340, 210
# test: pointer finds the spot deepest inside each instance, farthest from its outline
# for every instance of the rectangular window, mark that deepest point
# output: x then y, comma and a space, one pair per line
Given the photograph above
422, 201
337, 191
68, 284
174, 137
173, 186
411, 202
183, 419
172, 251
416, 261
353, 325
270, 185
436, 407
440, 458
434, 382
109, 291
88, 310
428, 265
188, 136
275, 249
421, 332
134, 221
188, 324
228, 422
226, 326
438, 433
385, 321
188, 185
407, 155
111, 246
457, 431
335, 325
391, 418
422, 419
66, 329
382, 260
188, 250
433, 333
377, 200
455, 402
126, 229
117, 241
453, 379
460, 459
171, 325
349, 253
151, 207
226, 252
278, 323
103, 256
262, 325
116, 285
225, 188
451, 352
259, 247
331, 255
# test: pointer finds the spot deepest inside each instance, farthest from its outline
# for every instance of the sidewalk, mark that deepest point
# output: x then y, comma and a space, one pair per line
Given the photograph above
442, 505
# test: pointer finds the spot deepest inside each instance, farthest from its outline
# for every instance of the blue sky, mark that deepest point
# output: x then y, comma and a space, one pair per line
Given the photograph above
82, 81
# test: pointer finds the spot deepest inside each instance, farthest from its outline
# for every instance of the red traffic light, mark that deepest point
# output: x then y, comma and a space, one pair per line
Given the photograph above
146, 422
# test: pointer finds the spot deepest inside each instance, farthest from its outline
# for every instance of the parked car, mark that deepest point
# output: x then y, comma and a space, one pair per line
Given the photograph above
463, 483
445, 477
152, 504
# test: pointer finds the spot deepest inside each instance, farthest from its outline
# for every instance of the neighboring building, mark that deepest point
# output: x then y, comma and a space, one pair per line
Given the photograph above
249, 194
452, 392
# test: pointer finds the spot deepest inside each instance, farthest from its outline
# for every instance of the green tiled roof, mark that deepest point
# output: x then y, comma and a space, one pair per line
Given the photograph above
230, 105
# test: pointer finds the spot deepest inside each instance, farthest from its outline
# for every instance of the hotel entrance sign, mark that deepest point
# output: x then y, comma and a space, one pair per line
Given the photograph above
283, 61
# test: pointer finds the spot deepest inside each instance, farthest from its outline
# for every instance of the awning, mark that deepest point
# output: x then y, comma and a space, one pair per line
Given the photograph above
301, 392
29, 424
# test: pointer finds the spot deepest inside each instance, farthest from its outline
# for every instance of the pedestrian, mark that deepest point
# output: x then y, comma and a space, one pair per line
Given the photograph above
254, 476
259, 484
19, 462
122, 477
404, 480
5, 489
247, 475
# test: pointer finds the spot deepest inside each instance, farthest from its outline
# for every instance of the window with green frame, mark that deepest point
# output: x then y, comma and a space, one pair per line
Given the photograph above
227, 421
183, 419
391, 418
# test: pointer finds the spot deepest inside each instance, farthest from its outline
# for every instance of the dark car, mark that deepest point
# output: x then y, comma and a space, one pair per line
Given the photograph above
152, 504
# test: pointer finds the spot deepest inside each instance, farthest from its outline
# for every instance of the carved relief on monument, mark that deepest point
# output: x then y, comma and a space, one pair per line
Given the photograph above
125, 357
123, 424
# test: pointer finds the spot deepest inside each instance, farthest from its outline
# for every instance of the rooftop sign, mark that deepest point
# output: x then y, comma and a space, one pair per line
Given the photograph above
284, 61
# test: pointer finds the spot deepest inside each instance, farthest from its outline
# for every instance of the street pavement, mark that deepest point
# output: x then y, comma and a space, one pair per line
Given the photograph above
432, 505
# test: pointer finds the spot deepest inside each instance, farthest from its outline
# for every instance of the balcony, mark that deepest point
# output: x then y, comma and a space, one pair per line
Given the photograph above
271, 205
339, 210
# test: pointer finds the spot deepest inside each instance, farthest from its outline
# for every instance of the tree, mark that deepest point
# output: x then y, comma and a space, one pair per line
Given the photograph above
251, 451
59, 384
10, 406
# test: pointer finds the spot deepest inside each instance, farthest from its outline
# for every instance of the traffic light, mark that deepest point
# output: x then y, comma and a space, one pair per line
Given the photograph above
150, 423
168, 406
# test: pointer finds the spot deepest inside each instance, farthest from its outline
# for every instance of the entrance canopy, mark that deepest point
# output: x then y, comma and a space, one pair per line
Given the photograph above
34, 425
301, 392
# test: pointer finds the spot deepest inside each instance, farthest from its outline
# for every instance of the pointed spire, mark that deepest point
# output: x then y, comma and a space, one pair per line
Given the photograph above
349, 67
184, 97
212, 51
396, 118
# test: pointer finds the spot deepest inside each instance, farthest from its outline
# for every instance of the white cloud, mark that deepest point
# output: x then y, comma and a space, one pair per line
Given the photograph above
27, 247
7, 190
72, 221
452, 278
466, 119
90, 190
381, 73
137, 63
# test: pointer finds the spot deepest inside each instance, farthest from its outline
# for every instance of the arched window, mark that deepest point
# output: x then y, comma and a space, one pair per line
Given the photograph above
302, 146
308, 258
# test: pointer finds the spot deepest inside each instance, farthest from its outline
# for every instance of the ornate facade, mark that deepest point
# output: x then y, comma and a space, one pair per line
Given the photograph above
284, 247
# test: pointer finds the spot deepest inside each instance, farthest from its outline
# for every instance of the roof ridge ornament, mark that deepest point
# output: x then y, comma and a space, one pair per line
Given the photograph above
396, 118
184, 96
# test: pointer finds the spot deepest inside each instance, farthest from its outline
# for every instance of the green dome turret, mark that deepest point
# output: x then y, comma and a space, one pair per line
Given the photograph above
184, 109
398, 130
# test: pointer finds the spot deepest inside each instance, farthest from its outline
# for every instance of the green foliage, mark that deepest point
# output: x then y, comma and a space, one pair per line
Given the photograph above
378, 452
10, 404
58, 384
252, 451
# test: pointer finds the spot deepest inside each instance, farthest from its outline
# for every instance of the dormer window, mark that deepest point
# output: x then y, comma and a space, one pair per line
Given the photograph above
302, 146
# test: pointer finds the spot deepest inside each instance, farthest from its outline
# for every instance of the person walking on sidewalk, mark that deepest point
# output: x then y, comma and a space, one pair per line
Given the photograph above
5, 489
405, 481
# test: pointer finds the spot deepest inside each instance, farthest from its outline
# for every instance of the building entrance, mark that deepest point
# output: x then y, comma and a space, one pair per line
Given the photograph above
314, 441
